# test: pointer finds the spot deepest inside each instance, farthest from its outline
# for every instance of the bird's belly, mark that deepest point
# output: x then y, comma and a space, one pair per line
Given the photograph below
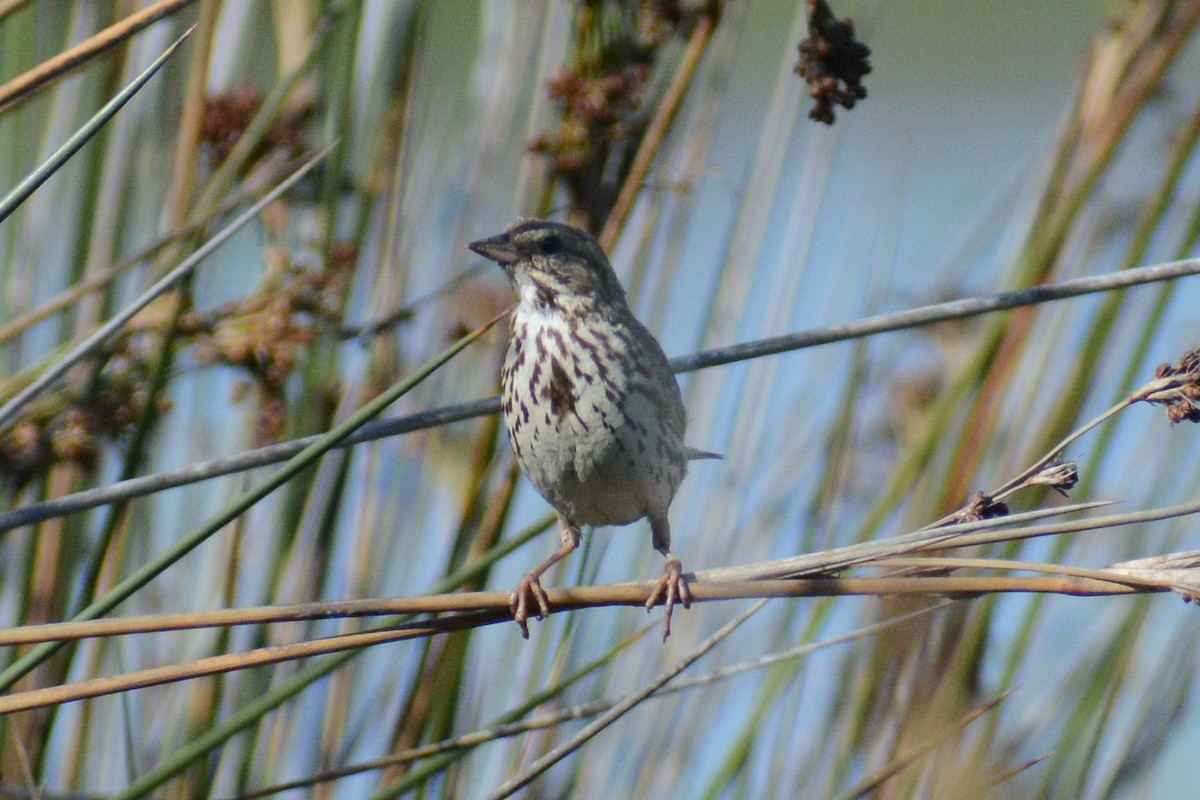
586, 476
601, 440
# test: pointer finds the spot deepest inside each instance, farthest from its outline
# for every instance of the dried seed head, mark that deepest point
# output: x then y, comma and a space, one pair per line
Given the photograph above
980, 507
1061, 477
1177, 388
832, 62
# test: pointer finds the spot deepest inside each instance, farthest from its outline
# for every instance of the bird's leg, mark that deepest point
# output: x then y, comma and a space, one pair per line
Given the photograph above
671, 587
531, 586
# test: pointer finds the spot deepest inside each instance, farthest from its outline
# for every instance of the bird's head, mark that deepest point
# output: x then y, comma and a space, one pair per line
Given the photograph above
554, 265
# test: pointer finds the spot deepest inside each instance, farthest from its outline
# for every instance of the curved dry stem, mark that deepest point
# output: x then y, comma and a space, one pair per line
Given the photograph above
1154, 391
746, 581
1021, 480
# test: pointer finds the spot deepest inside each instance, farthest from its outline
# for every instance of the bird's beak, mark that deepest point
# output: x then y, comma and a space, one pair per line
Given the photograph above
498, 248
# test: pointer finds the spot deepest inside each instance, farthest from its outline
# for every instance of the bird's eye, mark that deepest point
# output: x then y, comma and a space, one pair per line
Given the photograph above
550, 245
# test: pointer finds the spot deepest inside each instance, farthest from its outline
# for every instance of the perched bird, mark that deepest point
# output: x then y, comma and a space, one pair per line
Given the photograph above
592, 408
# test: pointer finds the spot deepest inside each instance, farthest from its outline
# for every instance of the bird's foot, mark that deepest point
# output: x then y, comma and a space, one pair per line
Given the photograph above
671, 587
529, 587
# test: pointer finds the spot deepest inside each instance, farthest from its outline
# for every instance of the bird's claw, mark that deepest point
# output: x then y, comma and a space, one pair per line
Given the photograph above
529, 586
671, 587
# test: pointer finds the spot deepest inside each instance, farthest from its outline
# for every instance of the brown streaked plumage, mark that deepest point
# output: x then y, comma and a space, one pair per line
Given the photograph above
592, 408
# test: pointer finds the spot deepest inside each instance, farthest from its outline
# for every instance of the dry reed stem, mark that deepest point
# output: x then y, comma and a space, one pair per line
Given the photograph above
477, 609
616, 594
216, 665
68, 60
711, 584
9, 6
657, 132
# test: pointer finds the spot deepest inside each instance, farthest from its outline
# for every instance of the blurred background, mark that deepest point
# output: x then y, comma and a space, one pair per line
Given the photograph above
998, 146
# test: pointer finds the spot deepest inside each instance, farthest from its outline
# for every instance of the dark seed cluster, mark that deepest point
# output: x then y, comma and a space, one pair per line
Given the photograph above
1061, 476
980, 507
71, 426
832, 62
1180, 389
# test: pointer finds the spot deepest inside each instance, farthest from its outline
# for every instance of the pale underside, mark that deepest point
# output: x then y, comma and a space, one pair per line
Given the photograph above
600, 439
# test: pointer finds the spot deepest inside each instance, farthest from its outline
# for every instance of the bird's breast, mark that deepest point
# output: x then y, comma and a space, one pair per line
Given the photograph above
597, 438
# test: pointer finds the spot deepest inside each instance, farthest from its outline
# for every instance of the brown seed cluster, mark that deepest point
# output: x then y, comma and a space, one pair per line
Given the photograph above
71, 425
603, 96
1061, 476
597, 112
1177, 387
226, 118
264, 336
832, 62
